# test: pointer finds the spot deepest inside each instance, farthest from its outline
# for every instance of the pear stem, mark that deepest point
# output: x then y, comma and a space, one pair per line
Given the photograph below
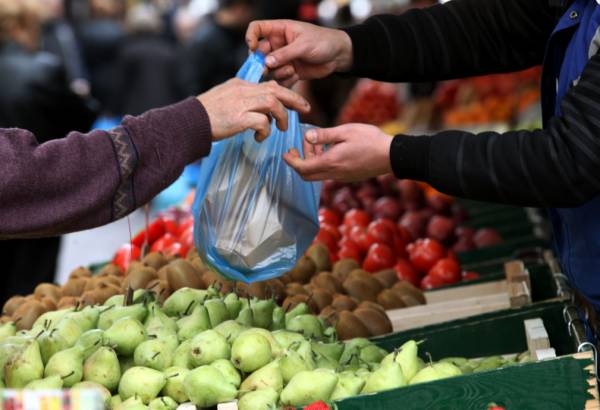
430, 358
172, 375
68, 375
156, 354
187, 310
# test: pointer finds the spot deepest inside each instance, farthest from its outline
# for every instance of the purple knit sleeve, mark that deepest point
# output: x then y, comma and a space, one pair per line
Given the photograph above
87, 180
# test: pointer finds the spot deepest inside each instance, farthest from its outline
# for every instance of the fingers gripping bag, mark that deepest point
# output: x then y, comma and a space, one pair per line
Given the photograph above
254, 216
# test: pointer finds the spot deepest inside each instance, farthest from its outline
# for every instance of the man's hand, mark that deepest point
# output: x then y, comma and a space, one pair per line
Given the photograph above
300, 51
356, 152
238, 105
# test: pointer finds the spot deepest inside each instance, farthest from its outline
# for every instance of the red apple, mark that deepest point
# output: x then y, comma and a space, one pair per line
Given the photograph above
414, 223
379, 257
440, 228
485, 237
424, 253
387, 207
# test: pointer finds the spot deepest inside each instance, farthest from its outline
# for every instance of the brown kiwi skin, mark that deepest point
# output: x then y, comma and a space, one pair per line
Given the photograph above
376, 321
182, 274
329, 313
49, 303
155, 260
66, 302
304, 270
343, 302
139, 278
362, 288
27, 313
110, 270
322, 298
211, 278
371, 305
320, 256
386, 277
326, 280
48, 290
12, 304
407, 287
349, 326
343, 267
390, 300
295, 288
74, 287
252, 290
80, 272
275, 289
292, 301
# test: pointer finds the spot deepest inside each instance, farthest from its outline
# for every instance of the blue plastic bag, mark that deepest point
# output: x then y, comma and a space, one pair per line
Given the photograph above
253, 215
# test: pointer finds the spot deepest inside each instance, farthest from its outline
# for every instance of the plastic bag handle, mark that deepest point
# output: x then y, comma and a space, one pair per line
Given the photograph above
253, 68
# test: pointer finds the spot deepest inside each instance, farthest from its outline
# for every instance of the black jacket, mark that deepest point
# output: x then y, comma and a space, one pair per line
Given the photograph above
554, 167
146, 75
36, 95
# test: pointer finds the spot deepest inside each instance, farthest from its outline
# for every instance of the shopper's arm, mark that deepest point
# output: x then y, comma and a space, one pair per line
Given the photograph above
457, 39
555, 167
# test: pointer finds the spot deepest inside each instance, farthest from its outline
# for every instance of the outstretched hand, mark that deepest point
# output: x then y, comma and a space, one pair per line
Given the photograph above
354, 152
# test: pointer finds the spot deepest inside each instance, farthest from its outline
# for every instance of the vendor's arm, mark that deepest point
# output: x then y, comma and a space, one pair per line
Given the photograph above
87, 180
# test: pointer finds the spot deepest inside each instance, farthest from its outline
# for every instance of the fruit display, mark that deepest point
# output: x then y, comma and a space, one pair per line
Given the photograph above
371, 102
205, 348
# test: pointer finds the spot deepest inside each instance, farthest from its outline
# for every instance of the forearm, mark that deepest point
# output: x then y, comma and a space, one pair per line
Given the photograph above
458, 39
87, 180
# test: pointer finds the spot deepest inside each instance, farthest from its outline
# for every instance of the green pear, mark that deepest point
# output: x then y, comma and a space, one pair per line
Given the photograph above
348, 385
489, 363
49, 319
7, 330
267, 376
191, 325
228, 370
182, 356
208, 346
51, 343
144, 382
10, 350
308, 325
52, 382
363, 373
104, 393
332, 350
372, 354
206, 387
447, 369
125, 335
352, 348
276, 349
250, 351
157, 319
230, 329
285, 338
296, 358
388, 376
324, 362
133, 403
182, 301
87, 318
116, 300
126, 363
103, 367
111, 315
309, 386
115, 402
90, 341
426, 374
278, 319
263, 399
24, 366
163, 403
262, 313
457, 361
217, 311
407, 358
67, 364
233, 304
246, 316
156, 354
168, 336
299, 309
174, 384
69, 329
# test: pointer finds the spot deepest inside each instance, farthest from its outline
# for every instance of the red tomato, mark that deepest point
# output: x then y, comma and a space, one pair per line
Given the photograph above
360, 237
187, 238
379, 257
125, 254
171, 225
326, 239
332, 230
424, 253
470, 276
405, 271
155, 230
451, 255
328, 215
431, 282
356, 217
187, 223
163, 243
404, 234
447, 270
380, 231
351, 252
344, 230
317, 405
176, 249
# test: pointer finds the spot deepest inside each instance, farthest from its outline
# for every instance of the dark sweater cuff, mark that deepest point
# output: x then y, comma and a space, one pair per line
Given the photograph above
409, 157
366, 39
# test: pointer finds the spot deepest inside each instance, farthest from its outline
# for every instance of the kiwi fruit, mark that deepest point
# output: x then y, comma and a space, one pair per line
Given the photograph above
343, 267
160, 288
89, 298
74, 287
49, 303
390, 300
371, 305
211, 278
349, 326
90, 284
48, 290
275, 289
304, 270
291, 301
406, 287
12, 304
66, 302
286, 278
155, 260
386, 277
329, 314
409, 300
322, 298
198, 264
343, 302
252, 290
27, 313
5, 319
358, 273
192, 254
110, 270
320, 256
139, 278
80, 272
295, 288
326, 280
182, 274
162, 272
135, 265
362, 288
113, 280
376, 321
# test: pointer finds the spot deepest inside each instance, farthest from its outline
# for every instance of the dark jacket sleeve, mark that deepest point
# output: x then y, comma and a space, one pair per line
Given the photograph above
87, 180
458, 39
558, 166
